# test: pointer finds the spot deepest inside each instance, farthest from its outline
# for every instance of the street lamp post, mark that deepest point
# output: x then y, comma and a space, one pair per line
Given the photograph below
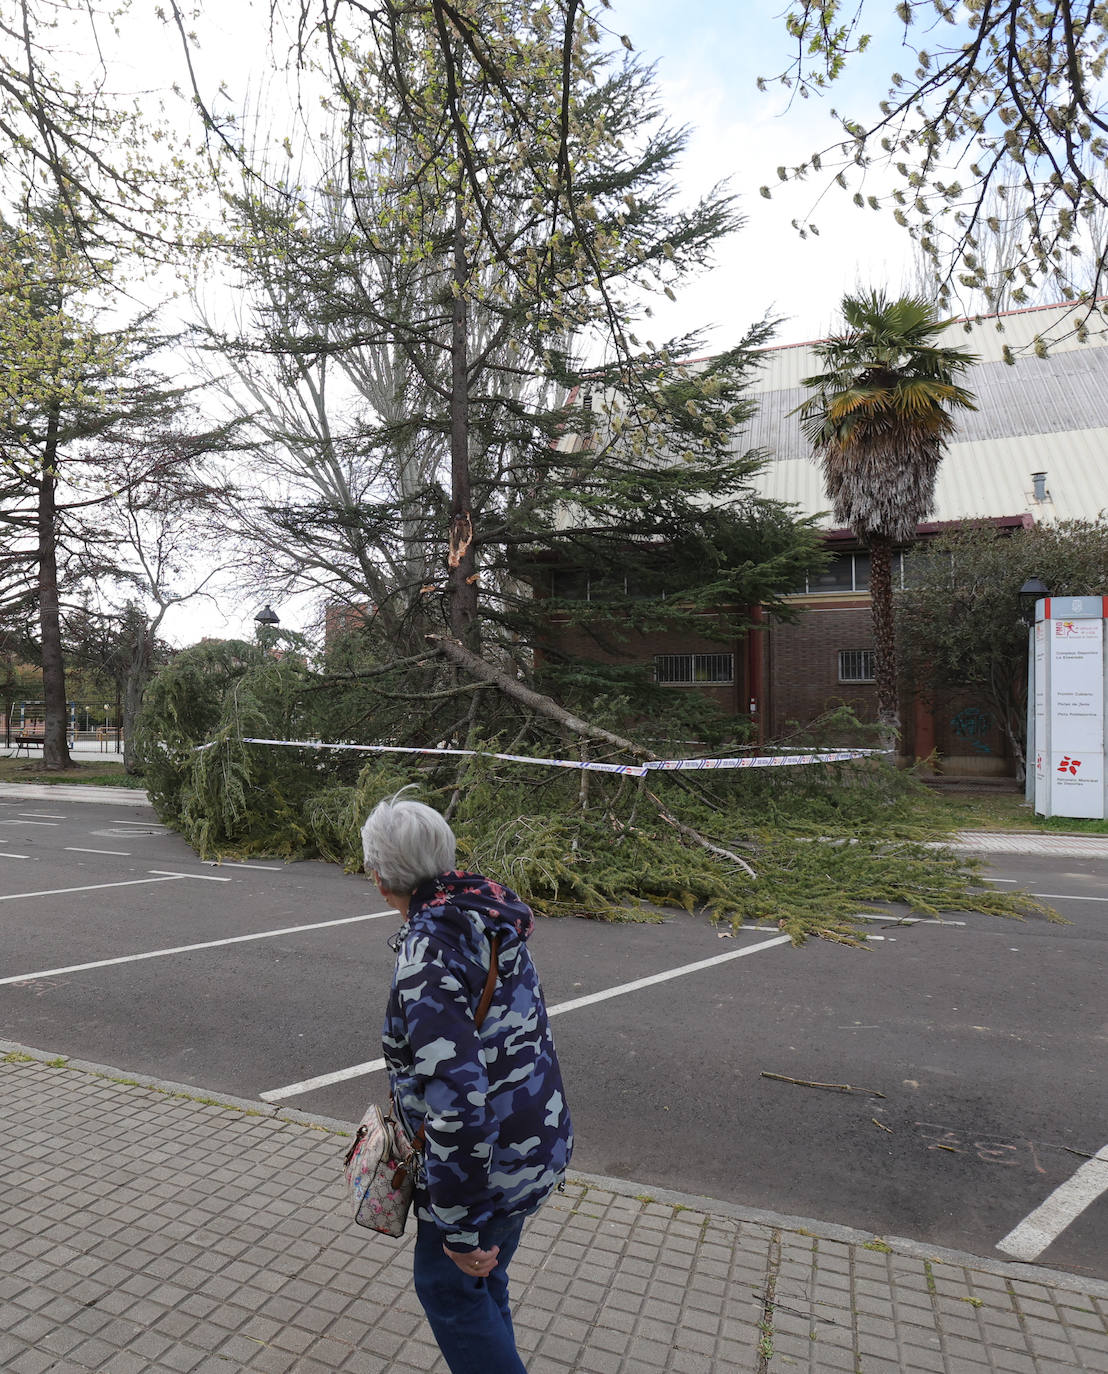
1032, 591
1030, 594
267, 621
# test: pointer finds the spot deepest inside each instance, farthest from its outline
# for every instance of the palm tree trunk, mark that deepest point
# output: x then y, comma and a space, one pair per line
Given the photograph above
884, 640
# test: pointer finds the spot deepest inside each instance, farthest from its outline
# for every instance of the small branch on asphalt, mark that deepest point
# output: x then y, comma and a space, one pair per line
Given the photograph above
834, 1087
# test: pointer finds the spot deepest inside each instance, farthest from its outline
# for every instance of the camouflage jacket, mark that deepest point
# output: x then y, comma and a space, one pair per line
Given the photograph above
498, 1129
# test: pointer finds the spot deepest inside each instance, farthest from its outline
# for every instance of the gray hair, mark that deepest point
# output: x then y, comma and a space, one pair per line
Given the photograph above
405, 842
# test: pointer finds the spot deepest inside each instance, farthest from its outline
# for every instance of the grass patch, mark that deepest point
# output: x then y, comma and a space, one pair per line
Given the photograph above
989, 810
92, 773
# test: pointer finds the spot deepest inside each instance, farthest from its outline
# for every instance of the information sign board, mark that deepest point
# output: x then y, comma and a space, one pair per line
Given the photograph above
1069, 707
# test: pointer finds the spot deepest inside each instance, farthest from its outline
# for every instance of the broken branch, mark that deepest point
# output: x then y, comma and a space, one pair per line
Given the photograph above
692, 834
545, 705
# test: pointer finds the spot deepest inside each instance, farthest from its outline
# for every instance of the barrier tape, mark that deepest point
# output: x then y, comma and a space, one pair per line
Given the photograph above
763, 761
632, 770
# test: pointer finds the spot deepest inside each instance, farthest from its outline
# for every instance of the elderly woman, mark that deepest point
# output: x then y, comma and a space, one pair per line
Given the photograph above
489, 1098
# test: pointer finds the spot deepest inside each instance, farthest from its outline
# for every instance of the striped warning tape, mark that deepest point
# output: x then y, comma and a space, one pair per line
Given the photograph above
765, 760
633, 770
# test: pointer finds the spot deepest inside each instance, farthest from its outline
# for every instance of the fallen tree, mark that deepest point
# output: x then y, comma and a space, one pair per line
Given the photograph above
819, 843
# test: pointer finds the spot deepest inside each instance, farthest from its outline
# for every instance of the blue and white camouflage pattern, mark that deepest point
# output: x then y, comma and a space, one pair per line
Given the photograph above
498, 1131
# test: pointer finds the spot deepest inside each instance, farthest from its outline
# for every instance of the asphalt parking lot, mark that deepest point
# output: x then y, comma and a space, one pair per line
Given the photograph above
973, 1050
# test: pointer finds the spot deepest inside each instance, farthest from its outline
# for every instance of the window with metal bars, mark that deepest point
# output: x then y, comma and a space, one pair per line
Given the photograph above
855, 665
694, 670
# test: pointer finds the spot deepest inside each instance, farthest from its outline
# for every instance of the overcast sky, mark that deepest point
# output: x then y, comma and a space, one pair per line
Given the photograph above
708, 55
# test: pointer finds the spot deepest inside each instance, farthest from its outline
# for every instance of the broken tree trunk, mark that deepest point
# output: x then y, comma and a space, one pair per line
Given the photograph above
458, 654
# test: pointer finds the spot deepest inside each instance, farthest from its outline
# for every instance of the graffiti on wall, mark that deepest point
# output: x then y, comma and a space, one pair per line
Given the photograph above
972, 725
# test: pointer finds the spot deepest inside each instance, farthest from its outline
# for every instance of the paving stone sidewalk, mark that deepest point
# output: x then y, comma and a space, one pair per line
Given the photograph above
145, 1228
1028, 842
73, 792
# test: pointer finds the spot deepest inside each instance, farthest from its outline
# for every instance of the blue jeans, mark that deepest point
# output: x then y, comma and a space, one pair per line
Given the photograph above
470, 1317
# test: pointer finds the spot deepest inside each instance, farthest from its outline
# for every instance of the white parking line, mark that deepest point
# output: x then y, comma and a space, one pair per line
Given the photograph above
1054, 896
94, 887
7, 854
76, 849
622, 988
1069, 897
22, 822
196, 877
43, 815
187, 949
325, 1080
892, 919
263, 868
1037, 1231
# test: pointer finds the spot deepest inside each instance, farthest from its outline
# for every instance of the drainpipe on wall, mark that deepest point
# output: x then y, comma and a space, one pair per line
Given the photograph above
755, 638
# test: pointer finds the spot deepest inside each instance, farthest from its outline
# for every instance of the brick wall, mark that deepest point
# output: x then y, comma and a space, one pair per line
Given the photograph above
802, 672
802, 664
641, 648
343, 619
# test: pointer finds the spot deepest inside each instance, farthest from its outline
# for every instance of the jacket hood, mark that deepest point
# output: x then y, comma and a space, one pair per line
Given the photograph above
462, 893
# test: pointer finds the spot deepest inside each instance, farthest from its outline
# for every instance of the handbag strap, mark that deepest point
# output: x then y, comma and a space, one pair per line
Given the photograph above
420, 1137
490, 983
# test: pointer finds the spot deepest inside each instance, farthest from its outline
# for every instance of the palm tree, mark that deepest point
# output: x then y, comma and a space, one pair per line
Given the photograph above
879, 419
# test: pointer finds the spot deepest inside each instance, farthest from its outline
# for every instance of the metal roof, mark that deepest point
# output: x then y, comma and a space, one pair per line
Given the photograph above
1041, 414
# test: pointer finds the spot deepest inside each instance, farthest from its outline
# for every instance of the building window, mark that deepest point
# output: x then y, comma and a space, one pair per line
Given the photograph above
850, 572
569, 584
855, 665
575, 584
694, 670
837, 576
861, 572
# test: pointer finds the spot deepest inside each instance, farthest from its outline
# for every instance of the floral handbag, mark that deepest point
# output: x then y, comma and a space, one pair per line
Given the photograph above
380, 1170
382, 1164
